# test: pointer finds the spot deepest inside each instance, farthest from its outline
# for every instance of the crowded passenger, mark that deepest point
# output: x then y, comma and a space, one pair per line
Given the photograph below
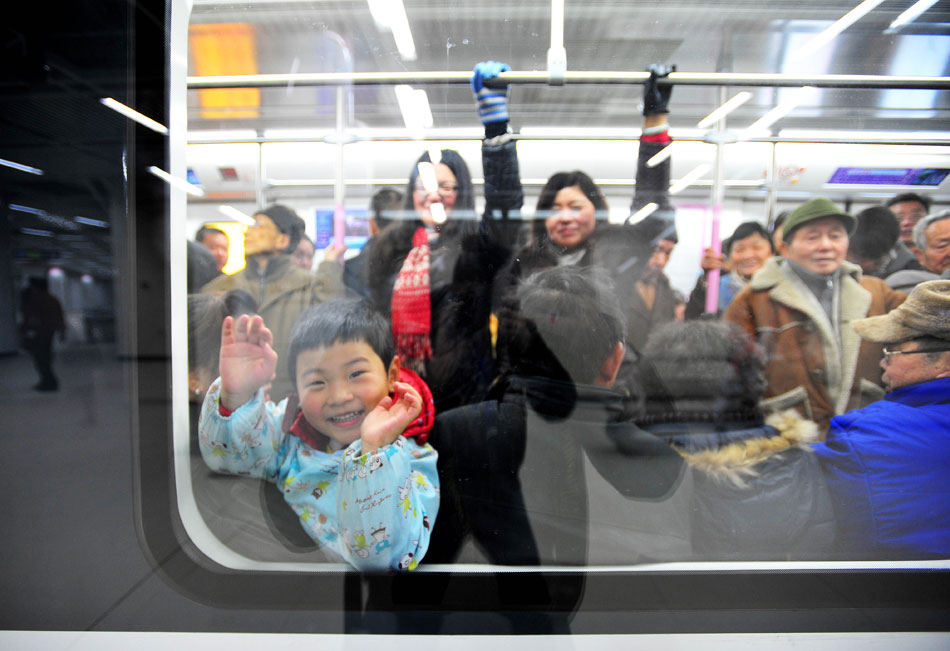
744, 253
384, 208
282, 291
873, 242
909, 208
887, 464
570, 229
758, 490
433, 273
302, 256
548, 470
800, 308
348, 450
216, 241
932, 248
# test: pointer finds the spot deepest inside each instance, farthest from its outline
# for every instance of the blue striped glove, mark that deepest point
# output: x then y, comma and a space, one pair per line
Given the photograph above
492, 102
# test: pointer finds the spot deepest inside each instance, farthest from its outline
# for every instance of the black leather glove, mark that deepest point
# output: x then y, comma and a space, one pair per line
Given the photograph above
656, 96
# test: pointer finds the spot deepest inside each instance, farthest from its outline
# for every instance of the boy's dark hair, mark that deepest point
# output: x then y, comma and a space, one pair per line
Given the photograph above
287, 222
563, 324
744, 230
207, 230
909, 196
558, 182
464, 200
386, 202
336, 322
876, 234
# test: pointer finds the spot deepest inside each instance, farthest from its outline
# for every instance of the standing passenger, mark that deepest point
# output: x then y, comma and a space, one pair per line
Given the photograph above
570, 228
800, 308
746, 250
282, 291
42, 317
432, 274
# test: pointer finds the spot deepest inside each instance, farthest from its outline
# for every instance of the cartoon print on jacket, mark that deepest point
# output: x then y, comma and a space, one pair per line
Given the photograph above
384, 502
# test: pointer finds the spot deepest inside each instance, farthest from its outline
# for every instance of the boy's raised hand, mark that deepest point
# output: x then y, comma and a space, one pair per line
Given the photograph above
390, 417
247, 359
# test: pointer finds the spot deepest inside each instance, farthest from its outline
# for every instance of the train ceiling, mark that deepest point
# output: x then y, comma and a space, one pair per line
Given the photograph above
698, 36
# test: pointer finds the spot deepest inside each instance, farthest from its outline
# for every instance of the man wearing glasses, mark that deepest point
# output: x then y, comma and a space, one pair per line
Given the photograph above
888, 465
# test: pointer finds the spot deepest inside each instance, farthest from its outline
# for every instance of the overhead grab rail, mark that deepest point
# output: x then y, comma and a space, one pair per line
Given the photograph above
603, 77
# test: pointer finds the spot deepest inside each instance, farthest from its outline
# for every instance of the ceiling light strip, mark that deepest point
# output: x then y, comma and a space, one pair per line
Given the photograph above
912, 13
134, 115
21, 167
175, 182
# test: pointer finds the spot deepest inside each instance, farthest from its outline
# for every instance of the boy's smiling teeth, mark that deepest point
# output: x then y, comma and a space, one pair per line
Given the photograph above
348, 416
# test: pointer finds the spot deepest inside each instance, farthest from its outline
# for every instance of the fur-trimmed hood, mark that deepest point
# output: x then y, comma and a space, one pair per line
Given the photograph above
735, 462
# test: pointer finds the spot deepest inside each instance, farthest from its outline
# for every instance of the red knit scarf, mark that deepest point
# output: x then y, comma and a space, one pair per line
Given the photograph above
411, 307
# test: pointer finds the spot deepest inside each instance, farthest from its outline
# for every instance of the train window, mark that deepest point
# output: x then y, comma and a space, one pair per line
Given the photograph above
336, 212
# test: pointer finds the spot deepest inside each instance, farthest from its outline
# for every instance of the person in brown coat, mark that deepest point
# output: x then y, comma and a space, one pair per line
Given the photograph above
800, 307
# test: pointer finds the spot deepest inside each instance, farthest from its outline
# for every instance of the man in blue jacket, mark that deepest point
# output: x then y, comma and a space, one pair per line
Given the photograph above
888, 465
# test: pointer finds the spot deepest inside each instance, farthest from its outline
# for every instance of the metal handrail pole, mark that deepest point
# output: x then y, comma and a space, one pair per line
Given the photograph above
572, 77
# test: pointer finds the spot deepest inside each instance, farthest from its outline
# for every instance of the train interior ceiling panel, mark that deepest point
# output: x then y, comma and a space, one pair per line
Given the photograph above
127, 128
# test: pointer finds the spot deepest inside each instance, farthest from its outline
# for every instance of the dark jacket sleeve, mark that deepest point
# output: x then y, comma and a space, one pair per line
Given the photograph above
696, 305
653, 186
503, 191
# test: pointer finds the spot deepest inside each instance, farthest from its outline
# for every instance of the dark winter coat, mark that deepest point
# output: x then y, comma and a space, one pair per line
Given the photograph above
545, 474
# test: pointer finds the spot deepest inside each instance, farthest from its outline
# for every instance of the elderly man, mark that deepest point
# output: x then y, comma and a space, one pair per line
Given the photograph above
282, 291
932, 247
888, 465
799, 307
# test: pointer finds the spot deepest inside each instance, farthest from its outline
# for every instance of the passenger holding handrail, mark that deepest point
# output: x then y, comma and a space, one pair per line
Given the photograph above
571, 228
433, 272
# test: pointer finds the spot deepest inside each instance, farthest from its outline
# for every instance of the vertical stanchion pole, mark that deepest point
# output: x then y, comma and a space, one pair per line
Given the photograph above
712, 279
339, 213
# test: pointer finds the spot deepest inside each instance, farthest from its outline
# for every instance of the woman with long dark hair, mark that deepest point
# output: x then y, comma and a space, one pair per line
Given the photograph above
433, 271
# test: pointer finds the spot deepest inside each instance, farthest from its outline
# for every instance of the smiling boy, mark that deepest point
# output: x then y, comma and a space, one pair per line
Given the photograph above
334, 447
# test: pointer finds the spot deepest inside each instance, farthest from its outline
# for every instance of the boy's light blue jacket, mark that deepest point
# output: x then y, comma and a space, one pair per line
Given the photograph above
376, 511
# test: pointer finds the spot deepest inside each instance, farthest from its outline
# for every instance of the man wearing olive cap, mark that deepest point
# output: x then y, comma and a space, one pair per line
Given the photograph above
800, 308
888, 465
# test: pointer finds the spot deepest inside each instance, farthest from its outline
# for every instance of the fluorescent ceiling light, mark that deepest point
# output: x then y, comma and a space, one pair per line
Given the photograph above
831, 32
437, 210
236, 215
689, 177
589, 132
176, 182
780, 111
427, 175
271, 134
91, 222
661, 155
864, 135
21, 167
414, 106
28, 209
390, 15
725, 109
912, 12
643, 213
36, 231
132, 114
222, 134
